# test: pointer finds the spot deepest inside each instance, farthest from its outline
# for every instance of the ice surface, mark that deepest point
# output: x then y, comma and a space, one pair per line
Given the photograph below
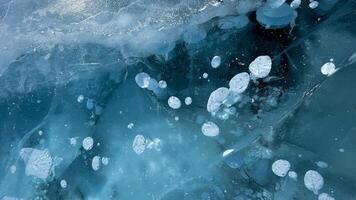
85, 109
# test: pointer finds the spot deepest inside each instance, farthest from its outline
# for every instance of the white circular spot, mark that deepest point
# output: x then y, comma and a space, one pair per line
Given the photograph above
130, 125
239, 82
313, 4
95, 163
174, 102
105, 160
261, 66
188, 101
88, 143
313, 181
210, 129
215, 62
280, 167
328, 68
80, 98
162, 84
205, 75
293, 175
63, 183
142, 79
325, 196
139, 144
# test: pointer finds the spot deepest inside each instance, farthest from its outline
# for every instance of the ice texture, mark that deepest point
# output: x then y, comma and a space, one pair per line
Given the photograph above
177, 99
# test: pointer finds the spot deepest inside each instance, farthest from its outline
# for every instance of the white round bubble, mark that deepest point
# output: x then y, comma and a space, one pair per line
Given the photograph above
313, 181
162, 84
80, 98
142, 80
63, 183
188, 101
328, 68
280, 167
325, 196
95, 163
174, 102
313, 4
293, 175
210, 129
205, 75
215, 62
239, 82
216, 99
261, 66
88, 143
139, 144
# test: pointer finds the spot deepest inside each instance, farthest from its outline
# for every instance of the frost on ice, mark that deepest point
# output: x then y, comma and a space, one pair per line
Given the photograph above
313, 181
215, 62
210, 129
239, 82
174, 102
139, 144
280, 167
88, 143
38, 162
260, 67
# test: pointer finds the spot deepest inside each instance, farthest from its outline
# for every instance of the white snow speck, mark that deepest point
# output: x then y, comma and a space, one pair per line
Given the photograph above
80, 98
328, 68
38, 162
261, 66
139, 144
313, 4
130, 125
313, 181
142, 80
210, 129
239, 82
63, 183
95, 163
325, 196
188, 101
227, 152
40, 132
88, 143
280, 167
215, 62
73, 141
174, 102
162, 84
